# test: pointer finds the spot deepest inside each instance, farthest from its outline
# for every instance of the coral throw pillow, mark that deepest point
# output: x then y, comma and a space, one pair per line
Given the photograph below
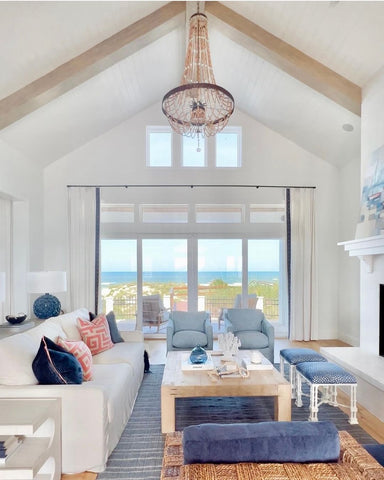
95, 334
83, 354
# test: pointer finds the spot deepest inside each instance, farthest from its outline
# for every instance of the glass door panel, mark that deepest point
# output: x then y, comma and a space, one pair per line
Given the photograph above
219, 276
119, 279
264, 276
164, 281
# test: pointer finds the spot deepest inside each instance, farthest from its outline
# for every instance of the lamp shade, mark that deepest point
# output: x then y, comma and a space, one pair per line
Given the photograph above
2, 286
44, 282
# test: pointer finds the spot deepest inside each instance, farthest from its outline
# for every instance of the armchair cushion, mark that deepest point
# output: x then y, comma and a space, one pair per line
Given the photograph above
186, 338
245, 319
185, 320
251, 339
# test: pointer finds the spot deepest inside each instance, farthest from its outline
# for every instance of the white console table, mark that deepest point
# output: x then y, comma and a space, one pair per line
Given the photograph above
39, 455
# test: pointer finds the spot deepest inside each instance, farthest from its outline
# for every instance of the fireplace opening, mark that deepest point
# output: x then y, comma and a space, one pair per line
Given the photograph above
381, 320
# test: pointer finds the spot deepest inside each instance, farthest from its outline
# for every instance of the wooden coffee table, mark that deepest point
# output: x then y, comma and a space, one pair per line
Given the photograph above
178, 384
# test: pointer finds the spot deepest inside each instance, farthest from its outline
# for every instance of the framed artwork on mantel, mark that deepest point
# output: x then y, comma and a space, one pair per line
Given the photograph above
371, 221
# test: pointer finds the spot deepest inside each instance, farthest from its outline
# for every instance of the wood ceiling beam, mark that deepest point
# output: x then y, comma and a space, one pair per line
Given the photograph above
91, 62
288, 58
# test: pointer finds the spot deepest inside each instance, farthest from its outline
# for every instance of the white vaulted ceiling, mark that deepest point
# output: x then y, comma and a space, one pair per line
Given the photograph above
38, 37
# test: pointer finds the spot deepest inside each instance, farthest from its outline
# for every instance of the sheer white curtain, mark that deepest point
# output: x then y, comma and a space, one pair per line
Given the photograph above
82, 247
303, 317
5, 257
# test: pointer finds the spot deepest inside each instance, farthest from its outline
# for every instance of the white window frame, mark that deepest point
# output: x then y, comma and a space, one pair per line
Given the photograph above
157, 129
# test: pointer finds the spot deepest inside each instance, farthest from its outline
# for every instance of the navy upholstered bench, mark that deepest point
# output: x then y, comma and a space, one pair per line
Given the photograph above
294, 356
329, 376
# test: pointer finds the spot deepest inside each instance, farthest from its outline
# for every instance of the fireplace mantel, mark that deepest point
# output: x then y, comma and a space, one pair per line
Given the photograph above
365, 249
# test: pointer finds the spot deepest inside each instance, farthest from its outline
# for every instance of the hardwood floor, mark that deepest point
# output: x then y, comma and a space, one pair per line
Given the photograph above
370, 423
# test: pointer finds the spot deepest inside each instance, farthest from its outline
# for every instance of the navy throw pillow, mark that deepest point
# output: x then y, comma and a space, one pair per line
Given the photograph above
113, 330
53, 365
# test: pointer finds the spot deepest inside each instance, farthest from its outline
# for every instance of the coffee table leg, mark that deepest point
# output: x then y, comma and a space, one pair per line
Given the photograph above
283, 404
168, 422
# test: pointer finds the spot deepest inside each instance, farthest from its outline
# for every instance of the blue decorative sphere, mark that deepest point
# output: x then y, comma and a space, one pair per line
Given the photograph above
47, 306
198, 355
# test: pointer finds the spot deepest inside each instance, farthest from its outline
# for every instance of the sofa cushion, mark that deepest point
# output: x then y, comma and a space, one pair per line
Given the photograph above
251, 339
54, 365
114, 331
189, 338
83, 354
188, 320
245, 318
261, 442
95, 334
68, 323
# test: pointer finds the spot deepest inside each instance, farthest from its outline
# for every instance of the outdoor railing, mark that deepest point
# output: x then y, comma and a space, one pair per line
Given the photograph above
126, 307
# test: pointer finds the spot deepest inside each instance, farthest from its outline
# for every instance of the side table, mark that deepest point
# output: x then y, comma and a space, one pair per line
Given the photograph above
6, 329
38, 421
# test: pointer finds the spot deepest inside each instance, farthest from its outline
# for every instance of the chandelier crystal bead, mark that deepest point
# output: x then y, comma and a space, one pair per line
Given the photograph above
198, 106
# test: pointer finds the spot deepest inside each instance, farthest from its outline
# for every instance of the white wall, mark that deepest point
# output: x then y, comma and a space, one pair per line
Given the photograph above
349, 267
22, 181
372, 137
118, 157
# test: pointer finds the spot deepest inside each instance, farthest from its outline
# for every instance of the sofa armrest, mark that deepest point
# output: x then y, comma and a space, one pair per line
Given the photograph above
89, 420
170, 333
228, 324
268, 329
209, 332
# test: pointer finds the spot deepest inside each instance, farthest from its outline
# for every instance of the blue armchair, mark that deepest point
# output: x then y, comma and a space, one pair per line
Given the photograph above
253, 330
185, 330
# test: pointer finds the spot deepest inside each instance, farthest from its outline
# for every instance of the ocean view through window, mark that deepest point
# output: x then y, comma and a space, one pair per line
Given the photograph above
219, 278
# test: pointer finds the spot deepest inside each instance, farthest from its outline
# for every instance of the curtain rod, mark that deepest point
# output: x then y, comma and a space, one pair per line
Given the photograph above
189, 186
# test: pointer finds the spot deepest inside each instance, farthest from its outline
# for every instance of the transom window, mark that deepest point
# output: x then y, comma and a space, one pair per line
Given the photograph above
159, 147
228, 147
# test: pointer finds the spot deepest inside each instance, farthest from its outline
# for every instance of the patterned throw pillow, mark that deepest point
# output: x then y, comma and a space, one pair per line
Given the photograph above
114, 331
54, 365
81, 351
95, 334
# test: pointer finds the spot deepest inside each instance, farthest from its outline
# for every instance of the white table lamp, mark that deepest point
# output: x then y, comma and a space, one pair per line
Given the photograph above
46, 305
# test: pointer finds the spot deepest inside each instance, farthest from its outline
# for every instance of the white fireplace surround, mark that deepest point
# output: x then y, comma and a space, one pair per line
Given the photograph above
364, 361
365, 249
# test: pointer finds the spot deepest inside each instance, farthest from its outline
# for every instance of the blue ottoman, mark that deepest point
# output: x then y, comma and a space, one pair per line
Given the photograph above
294, 356
329, 376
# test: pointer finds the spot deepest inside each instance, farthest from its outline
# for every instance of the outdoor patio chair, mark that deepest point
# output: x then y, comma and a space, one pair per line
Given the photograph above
154, 312
185, 330
253, 330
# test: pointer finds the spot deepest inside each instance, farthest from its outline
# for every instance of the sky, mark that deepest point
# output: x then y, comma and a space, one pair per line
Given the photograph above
168, 255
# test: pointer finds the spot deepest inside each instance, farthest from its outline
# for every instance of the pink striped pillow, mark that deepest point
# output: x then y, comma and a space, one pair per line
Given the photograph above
95, 334
83, 354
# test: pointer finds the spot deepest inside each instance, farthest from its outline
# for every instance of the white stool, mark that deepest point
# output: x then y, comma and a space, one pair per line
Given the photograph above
294, 356
328, 376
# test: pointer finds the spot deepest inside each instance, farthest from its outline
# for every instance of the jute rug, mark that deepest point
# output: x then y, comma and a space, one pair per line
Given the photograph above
139, 454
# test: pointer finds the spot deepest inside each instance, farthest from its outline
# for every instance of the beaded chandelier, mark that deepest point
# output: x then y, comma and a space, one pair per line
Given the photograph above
198, 106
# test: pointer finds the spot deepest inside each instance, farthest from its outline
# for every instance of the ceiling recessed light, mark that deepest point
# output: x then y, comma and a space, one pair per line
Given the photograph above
348, 127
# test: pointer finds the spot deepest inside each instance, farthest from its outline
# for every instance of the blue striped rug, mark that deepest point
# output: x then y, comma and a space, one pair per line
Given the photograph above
139, 453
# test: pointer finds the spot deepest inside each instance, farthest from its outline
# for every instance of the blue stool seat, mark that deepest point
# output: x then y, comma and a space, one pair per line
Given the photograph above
325, 373
327, 376
293, 356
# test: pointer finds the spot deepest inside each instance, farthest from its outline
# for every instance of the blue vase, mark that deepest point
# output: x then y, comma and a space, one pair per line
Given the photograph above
198, 355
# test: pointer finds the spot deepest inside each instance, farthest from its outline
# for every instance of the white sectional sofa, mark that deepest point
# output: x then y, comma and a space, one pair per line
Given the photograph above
94, 413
